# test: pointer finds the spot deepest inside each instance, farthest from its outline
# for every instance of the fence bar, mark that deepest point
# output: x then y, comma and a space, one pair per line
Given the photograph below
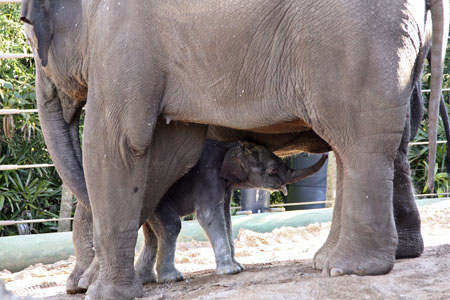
14, 111
8, 223
436, 194
15, 55
444, 90
425, 143
17, 167
300, 203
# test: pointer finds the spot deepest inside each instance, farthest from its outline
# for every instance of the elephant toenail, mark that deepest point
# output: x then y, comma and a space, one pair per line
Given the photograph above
334, 272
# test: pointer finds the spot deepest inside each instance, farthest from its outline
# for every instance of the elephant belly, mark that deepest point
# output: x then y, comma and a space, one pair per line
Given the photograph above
283, 127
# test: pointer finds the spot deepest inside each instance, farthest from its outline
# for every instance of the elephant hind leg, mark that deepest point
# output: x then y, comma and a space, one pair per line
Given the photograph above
367, 239
407, 218
229, 227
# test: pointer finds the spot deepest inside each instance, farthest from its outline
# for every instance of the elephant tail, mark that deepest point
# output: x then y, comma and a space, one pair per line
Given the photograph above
439, 15
446, 122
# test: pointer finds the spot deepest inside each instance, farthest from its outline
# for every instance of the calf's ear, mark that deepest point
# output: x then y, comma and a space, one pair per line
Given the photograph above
38, 13
233, 168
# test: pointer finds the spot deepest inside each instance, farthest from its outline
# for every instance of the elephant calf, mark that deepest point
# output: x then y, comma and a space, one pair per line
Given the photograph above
206, 189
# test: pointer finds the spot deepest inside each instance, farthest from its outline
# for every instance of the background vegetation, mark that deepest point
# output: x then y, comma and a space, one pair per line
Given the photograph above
35, 193
27, 193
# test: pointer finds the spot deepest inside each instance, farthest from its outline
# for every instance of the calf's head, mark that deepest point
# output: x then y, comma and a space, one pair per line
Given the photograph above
248, 165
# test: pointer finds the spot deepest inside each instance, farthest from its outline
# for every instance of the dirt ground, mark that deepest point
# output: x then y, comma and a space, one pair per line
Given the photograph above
278, 266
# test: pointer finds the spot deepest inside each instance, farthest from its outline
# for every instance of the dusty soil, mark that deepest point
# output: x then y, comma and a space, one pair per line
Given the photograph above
278, 266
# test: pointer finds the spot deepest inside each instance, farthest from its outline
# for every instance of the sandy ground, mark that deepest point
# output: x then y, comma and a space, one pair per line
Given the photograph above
278, 266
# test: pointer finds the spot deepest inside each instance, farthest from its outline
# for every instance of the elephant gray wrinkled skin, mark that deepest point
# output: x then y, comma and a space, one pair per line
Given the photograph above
286, 68
206, 190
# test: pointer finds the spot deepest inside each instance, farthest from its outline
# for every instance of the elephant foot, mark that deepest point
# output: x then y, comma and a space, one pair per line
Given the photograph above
101, 291
229, 269
323, 253
240, 266
410, 243
145, 270
360, 260
172, 276
150, 278
72, 286
73, 282
89, 276
147, 276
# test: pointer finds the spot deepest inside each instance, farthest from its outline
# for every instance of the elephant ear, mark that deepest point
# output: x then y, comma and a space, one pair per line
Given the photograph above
233, 168
37, 13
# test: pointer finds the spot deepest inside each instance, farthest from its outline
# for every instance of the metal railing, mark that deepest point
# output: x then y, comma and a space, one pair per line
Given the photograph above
15, 55
10, 223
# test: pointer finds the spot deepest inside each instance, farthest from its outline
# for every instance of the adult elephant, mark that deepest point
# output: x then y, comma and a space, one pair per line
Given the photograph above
270, 67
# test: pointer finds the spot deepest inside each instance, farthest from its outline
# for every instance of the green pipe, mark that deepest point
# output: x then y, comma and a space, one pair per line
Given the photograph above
19, 252
264, 222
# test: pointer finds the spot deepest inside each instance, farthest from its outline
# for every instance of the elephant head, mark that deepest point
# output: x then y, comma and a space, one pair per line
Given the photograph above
248, 165
51, 30
38, 14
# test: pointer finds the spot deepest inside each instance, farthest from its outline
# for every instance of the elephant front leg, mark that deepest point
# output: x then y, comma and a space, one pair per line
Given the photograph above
229, 228
116, 176
367, 239
407, 218
213, 222
333, 237
83, 246
145, 264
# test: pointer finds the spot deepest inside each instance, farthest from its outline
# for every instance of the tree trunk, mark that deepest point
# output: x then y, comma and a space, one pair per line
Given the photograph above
331, 179
65, 209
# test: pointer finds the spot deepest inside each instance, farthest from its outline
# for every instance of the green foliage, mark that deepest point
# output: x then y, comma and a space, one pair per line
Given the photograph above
26, 193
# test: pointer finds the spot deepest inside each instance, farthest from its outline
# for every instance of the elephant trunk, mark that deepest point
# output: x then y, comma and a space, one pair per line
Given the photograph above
297, 175
439, 15
61, 134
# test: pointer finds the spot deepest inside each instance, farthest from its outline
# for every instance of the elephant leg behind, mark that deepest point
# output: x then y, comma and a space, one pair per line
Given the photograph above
229, 227
407, 218
82, 237
145, 264
166, 225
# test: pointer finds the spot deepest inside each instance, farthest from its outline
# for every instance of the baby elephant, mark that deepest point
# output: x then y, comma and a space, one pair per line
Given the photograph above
206, 189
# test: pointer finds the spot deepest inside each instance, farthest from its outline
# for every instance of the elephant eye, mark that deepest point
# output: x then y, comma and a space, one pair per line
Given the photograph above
273, 171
